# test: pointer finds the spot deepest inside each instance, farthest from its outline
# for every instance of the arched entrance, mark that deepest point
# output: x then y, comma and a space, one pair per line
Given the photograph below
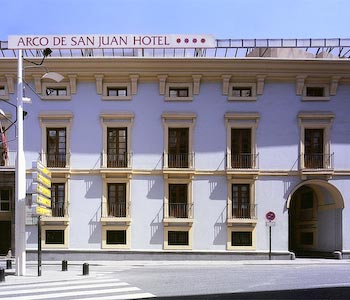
315, 219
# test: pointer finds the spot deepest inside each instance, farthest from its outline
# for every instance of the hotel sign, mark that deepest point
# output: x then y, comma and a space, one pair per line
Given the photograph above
111, 41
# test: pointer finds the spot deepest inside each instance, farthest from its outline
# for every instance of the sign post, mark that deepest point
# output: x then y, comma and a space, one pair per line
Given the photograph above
41, 198
270, 216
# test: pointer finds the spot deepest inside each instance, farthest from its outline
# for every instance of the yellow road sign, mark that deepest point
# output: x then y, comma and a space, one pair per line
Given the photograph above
41, 200
38, 188
42, 179
42, 211
38, 165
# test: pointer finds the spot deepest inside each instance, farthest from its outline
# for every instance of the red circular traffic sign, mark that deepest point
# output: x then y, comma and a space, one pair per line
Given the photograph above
270, 216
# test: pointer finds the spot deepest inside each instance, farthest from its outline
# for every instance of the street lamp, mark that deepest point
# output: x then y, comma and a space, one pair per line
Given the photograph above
20, 234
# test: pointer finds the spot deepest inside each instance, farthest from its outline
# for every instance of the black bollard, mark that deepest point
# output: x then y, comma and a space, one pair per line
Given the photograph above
85, 269
64, 265
2, 274
8, 264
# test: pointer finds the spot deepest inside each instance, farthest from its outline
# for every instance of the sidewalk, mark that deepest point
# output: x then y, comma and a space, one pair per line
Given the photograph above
52, 270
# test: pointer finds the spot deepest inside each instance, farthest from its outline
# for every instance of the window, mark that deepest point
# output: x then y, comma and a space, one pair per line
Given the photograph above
316, 92
241, 207
58, 199
55, 134
56, 91
179, 92
5, 199
178, 148
315, 141
116, 203
56, 147
116, 237
242, 92
178, 206
241, 148
241, 153
53, 237
116, 91
117, 152
178, 238
314, 154
241, 238
178, 140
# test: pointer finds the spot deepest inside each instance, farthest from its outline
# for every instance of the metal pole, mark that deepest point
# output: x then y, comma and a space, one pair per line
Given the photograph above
269, 242
20, 235
39, 245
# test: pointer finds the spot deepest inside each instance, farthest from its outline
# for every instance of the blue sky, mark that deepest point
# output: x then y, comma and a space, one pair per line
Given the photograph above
222, 18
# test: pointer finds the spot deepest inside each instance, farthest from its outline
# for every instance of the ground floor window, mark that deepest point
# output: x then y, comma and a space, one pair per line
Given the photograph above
54, 236
116, 236
241, 237
178, 237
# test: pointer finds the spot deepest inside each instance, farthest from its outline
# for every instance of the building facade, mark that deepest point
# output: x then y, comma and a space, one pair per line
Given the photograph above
184, 155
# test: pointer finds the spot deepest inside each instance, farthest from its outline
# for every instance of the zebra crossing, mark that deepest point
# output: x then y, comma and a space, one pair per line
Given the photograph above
85, 289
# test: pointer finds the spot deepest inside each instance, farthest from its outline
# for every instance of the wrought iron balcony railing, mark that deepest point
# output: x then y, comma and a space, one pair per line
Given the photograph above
243, 161
180, 210
119, 160
178, 160
55, 160
317, 161
244, 211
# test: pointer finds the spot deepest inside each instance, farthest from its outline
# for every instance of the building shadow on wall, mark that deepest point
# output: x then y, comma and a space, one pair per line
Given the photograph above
220, 228
157, 228
95, 227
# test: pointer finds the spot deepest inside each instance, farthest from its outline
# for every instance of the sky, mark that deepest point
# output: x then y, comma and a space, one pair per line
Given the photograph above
236, 19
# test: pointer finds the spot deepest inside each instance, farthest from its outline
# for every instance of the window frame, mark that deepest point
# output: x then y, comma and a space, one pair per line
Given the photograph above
326, 92
242, 120
64, 228
178, 86
55, 120
5, 188
315, 120
251, 85
245, 228
166, 245
55, 86
116, 85
178, 120
114, 227
116, 120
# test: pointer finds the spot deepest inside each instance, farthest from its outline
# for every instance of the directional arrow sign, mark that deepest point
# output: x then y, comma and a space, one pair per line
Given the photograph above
42, 179
38, 188
41, 200
41, 211
41, 168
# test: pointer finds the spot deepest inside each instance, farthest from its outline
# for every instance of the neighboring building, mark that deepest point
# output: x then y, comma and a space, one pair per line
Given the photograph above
185, 152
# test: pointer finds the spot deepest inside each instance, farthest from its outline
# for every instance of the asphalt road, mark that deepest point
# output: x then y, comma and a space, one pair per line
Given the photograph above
327, 280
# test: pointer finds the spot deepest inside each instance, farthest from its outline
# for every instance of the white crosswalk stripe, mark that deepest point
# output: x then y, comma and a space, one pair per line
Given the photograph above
88, 289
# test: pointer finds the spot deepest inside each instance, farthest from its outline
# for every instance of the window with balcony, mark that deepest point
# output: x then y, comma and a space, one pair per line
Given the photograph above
241, 206
178, 148
56, 153
55, 133
241, 154
116, 152
315, 154
178, 204
178, 140
117, 148
241, 148
116, 202
58, 203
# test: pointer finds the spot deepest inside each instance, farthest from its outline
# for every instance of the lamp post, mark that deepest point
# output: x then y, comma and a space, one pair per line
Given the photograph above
20, 236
